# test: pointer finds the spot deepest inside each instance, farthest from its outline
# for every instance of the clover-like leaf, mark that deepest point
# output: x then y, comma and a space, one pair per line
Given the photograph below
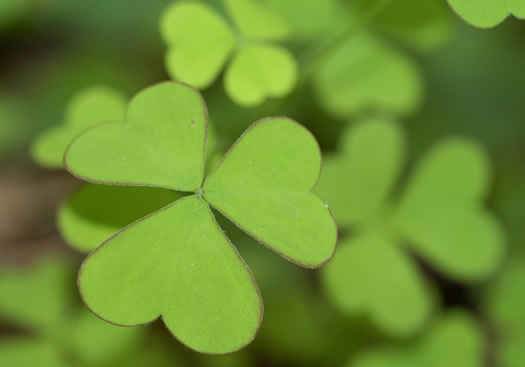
89, 107
357, 181
370, 274
189, 274
455, 340
263, 185
151, 268
439, 218
141, 151
441, 213
200, 40
424, 25
260, 71
487, 13
364, 73
95, 212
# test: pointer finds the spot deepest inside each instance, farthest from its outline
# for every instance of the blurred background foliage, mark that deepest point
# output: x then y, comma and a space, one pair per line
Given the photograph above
412, 65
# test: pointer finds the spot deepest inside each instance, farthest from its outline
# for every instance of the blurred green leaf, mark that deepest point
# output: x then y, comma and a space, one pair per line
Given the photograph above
364, 73
36, 297
11, 10
441, 212
96, 212
357, 180
89, 107
200, 41
27, 352
455, 340
371, 275
439, 215
424, 25
487, 13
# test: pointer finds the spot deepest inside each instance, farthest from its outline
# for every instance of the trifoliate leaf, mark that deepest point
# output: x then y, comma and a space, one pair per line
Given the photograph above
96, 212
425, 25
199, 43
487, 13
27, 299
365, 73
89, 107
24, 352
455, 340
164, 123
152, 267
189, 274
441, 212
357, 181
258, 72
263, 185
370, 275
96, 342
256, 22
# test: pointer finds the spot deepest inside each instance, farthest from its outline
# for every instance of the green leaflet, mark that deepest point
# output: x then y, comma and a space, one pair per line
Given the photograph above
267, 195
200, 42
134, 153
365, 73
455, 340
487, 13
441, 219
425, 25
95, 212
370, 273
151, 268
89, 107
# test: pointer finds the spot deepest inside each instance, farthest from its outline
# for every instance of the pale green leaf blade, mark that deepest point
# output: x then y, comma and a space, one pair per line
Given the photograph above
263, 185
95, 212
369, 275
487, 13
87, 108
257, 22
441, 211
365, 73
357, 181
176, 264
48, 284
96, 342
27, 352
199, 43
161, 143
258, 72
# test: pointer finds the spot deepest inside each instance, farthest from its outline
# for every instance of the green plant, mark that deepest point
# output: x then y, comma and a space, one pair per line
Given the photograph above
438, 218
487, 13
201, 41
263, 185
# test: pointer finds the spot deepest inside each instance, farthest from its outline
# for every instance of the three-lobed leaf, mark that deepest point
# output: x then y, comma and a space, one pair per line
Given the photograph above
176, 263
